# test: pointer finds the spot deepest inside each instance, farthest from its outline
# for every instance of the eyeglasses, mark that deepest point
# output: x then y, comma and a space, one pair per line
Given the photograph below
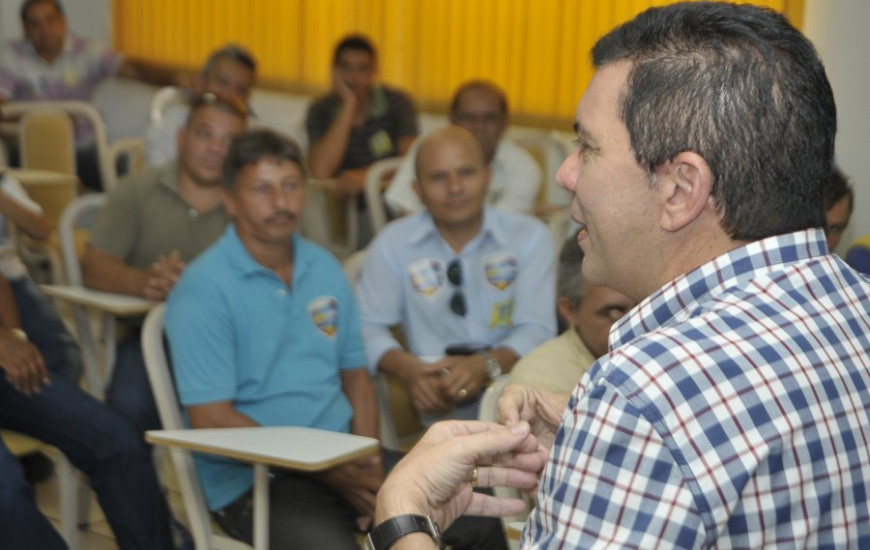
457, 301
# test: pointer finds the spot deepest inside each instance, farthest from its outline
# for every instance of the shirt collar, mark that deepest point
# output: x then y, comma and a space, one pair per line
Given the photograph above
247, 266
681, 297
492, 227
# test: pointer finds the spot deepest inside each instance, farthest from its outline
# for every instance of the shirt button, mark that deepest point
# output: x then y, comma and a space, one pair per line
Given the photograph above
193, 214
282, 292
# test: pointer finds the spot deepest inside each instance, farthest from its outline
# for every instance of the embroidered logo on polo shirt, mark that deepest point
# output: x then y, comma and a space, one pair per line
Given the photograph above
501, 269
427, 276
324, 313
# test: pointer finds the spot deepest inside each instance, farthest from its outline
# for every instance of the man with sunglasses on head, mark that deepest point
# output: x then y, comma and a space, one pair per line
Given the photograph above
152, 224
458, 275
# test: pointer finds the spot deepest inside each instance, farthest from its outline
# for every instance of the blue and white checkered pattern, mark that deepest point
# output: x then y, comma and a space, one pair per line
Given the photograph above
733, 411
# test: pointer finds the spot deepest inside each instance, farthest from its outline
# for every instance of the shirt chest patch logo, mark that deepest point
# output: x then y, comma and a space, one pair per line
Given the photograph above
324, 313
501, 269
380, 144
427, 276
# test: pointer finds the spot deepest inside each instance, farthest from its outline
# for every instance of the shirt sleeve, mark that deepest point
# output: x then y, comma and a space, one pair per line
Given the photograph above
534, 317
161, 138
12, 187
202, 341
612, 483
406, 116
400, 195
317, 120
380, 299
115, 229
352, 352
522, 181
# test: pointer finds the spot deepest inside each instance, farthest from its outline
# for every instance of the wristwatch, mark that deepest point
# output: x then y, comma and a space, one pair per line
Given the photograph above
389, 531
493, 367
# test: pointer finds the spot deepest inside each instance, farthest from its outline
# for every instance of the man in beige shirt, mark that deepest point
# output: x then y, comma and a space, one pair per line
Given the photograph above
590, 310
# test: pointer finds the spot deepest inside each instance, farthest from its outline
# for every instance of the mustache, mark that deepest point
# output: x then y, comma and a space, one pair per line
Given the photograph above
282, 216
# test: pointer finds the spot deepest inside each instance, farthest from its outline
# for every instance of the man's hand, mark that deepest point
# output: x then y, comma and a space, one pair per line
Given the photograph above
358, 482
162, 276
345, 93
350, 183
425, 386
435, 478
540, 408
23, 364
461, 372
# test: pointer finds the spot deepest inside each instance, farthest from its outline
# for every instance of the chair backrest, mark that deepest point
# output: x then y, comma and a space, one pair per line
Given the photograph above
78, 109
75, 224
46, 140
550, 152
169, 410
375, 176
489, 412
164, 99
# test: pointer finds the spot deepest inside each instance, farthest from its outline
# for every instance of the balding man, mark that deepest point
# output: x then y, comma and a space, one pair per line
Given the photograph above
481, 108
457, 273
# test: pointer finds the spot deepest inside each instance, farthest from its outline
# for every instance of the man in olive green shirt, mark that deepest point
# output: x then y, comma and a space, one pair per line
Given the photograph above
153, 223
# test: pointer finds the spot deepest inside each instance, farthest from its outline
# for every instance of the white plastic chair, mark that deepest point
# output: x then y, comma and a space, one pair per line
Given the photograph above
489, 413
550, 152
46, 140
164, 99
79, 216
374, 192
163, 388
81, 109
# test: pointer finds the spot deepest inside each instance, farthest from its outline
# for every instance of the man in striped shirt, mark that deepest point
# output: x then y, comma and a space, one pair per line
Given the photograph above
733, 408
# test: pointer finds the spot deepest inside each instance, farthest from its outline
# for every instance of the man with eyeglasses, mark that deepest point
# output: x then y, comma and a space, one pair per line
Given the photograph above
459, 272
151, 225
480, 107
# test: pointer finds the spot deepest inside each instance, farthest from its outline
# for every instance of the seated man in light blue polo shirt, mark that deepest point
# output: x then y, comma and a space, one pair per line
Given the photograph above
264, 330
457, 273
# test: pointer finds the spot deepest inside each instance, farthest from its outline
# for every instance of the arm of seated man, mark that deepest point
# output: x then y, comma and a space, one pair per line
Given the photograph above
358, 481
104, 271
422, 379
218, 414
468, 372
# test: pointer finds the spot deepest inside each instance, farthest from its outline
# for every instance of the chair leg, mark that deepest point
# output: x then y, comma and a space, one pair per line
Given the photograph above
70, 487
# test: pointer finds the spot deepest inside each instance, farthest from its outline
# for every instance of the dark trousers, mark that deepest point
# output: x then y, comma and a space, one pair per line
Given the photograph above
99, 443
47, 332
129, 391
305, 513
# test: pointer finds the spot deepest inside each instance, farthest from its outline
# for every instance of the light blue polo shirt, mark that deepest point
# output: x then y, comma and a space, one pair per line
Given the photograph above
508, 278
238, 333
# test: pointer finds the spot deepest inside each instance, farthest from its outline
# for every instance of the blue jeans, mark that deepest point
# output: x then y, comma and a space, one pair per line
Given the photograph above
47, 332
129, 391
100, 444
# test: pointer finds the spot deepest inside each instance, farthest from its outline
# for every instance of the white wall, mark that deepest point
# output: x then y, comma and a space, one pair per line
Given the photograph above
86, 17
839, 29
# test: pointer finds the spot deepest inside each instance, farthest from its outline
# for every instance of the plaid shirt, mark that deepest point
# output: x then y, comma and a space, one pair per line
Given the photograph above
732, 411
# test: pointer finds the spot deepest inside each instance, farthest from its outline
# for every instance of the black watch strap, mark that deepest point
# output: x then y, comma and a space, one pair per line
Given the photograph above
389, 531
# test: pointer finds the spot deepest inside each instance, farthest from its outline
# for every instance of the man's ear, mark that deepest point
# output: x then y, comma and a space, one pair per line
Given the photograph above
685, 184
567, 312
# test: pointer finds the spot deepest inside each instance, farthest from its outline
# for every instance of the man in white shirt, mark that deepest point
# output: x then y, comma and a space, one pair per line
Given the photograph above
481, 108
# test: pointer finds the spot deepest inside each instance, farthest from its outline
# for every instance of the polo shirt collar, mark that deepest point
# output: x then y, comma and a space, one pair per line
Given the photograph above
247, 266
681, 297
492, 228
379, 104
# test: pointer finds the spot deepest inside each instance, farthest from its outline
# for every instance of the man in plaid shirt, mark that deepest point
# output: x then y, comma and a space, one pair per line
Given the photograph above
733, 408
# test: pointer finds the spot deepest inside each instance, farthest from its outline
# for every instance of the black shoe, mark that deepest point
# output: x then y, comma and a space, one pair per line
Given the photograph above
37, 467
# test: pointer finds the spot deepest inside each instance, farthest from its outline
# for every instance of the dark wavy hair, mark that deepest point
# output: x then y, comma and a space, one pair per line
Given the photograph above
254, 146
740, 86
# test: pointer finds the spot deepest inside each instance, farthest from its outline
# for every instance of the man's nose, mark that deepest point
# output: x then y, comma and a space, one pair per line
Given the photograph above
566, 177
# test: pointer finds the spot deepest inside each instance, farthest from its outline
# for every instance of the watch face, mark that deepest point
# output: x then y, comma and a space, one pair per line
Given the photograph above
493, 369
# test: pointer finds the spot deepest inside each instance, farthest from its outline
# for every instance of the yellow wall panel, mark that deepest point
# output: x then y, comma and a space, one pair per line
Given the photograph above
537, 50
